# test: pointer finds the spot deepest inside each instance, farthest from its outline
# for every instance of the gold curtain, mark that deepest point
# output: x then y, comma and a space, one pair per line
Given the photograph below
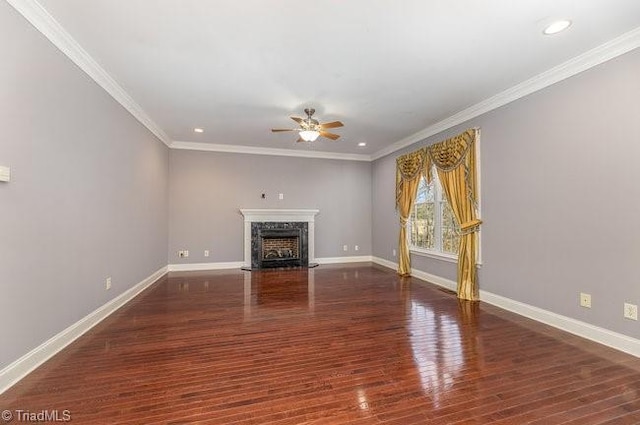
455, 162
409, 169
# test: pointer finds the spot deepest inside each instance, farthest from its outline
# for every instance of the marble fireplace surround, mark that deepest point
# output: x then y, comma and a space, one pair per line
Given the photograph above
278, 215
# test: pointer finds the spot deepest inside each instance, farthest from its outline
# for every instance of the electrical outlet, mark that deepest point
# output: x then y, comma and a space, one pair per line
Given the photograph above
345, 247
585, 300
281, 196
5, 174
206, 252
186, 253
357, 248
630, 311
107, 284
394, 252
183, 253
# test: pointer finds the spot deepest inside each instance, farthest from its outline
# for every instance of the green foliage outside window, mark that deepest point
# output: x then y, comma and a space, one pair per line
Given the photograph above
430, 228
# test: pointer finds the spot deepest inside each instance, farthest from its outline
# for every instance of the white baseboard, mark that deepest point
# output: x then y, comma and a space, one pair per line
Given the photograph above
585, 330
341, 260
34, 358
239, 264
436, 280
204, 266
385, 263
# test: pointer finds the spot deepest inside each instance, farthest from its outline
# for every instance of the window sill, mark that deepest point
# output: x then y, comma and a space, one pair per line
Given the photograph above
450, 258
434, 254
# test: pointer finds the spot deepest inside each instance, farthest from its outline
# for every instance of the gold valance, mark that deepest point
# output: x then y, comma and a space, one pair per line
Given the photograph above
409, 167
445, 156
450, 153
411, 164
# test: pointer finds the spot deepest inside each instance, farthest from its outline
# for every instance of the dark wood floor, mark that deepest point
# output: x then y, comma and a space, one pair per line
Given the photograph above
333, 345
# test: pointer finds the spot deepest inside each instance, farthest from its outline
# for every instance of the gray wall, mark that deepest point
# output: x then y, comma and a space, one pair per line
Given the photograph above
560, 197
88, 196
208, 188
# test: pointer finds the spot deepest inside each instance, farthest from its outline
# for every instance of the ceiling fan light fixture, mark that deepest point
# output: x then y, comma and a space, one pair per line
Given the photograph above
309, 135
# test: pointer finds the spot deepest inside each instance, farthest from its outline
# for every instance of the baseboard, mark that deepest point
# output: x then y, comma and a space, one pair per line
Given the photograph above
436, 280
585, 330
341, 260
204, 266
34, 358
385, 263
597, 334
239, 264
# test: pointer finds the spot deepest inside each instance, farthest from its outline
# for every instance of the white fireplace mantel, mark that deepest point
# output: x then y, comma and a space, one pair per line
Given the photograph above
278, 215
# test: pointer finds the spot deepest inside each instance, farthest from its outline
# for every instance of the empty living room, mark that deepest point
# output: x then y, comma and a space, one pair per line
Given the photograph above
357, 212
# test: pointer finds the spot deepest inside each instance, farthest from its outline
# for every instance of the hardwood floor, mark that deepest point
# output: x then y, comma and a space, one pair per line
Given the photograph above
348, 344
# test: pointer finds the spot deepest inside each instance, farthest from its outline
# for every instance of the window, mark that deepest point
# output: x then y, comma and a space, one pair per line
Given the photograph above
432, 225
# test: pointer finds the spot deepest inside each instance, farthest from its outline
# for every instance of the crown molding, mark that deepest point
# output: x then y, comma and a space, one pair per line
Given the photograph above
38, 16
50, 28
607, 51
210, 147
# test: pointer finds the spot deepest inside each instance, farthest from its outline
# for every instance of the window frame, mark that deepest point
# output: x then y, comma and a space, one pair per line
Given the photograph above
438, 200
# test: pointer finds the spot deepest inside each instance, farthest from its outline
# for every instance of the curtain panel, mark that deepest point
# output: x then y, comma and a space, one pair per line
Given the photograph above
409, 169
455, 162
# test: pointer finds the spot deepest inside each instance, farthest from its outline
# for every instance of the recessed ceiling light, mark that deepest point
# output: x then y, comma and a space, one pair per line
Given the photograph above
362, 144
198, 130
557, 26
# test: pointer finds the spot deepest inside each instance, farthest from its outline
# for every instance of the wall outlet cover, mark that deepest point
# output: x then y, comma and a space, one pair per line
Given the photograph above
5, 174
630, 311
585, 300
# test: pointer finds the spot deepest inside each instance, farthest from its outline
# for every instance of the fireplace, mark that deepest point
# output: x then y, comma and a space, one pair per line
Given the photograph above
279, 244
278, 238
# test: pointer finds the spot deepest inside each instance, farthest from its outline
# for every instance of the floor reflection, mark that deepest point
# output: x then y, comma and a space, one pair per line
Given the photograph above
279, 289
437, 349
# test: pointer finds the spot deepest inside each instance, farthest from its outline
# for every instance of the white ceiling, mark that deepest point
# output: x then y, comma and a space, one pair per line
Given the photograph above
386, 69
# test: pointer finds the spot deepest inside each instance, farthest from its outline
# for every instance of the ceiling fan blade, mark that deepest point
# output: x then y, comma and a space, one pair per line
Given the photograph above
333, 124
329, 135
298, 120
275, 130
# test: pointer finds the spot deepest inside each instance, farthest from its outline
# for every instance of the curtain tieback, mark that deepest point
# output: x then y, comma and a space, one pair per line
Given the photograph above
471, 226
403, 221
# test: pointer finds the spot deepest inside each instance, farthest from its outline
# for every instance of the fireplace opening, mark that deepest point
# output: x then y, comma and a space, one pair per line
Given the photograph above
278, 248
279, 245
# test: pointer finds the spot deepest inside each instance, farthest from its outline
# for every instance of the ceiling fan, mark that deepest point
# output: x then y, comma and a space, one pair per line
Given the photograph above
310, 128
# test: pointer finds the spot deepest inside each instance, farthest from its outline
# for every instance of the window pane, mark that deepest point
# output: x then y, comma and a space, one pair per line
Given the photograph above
450, 230
422, 226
